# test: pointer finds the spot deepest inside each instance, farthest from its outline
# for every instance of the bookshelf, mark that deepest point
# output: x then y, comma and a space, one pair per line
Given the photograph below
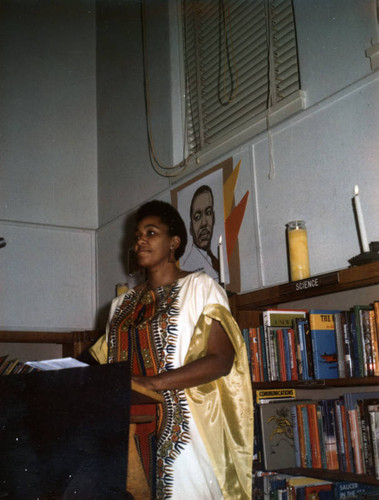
247, 309
323, 284
72, 343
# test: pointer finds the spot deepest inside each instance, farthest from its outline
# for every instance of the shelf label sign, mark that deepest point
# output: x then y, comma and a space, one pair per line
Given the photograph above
309, 283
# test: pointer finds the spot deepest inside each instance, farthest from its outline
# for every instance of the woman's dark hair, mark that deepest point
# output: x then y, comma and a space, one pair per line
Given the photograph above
169, 216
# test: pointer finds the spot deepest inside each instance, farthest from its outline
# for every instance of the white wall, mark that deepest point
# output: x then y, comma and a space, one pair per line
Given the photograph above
126, 177
64, 148
320, 154
319, 157
48, 164
51, 283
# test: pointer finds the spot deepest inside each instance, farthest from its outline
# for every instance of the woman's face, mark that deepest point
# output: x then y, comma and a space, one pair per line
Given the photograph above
152, 242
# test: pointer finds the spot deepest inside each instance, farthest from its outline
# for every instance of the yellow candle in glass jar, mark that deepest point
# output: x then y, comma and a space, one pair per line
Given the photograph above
298, 250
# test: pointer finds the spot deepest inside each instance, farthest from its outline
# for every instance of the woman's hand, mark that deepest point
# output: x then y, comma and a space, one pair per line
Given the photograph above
215, 364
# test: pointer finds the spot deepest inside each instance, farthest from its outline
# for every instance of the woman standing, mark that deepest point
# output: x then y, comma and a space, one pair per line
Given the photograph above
177, 331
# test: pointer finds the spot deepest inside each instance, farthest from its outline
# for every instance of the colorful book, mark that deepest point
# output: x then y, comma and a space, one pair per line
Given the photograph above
347, 437
245, 335
354, 345
376, 319
347, 347
282, 318
340, 345
365, 322
359, 332
374, 342
360, 437
324, 343
254, 359
300, 425
373, 412
295, 430
278, 318
317, 492
307, 437
277, 436
356, 441
309, 348
282, 355
341, 453
305, 355
9, 366
292, 354
263, 353
314, 436
321, 436
330, 435
353, 490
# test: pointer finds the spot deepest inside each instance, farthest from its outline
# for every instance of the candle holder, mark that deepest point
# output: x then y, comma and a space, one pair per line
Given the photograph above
297, 241
366, 257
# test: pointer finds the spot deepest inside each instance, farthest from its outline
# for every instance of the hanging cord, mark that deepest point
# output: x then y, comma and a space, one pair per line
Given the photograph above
229, 66
189, 104
270, 93
159, 167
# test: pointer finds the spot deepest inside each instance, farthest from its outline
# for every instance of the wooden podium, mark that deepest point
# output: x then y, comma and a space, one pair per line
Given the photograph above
65, 433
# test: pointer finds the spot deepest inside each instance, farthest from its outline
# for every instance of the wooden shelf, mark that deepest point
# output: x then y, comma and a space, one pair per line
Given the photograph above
73, 343
248, 307
318, 384
338, 281
331, 475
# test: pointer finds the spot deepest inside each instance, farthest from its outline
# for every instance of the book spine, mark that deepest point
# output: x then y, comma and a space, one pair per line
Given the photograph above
260, 355
361, 341
303, 351
345, 321
374, 427
321, 436
299, 364
307, 438
346, 438
246, 338
363, 434
308, 349
355, 347
300, 426
254, 361
376, 318
323, 344
314, 436
355, 440
267, 344
332, 435
293, 357
367, 342
264, 355
374, 343
281, 355
287, 354
340, 439
295, 430
340, 346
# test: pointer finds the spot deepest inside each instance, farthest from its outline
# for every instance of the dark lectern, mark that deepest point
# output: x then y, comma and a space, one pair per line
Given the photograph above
64, 433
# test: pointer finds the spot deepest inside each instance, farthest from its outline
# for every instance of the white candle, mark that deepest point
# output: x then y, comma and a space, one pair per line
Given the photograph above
221, 260
361, 222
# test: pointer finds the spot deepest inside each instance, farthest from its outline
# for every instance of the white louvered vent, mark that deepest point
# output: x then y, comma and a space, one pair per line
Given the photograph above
241, 66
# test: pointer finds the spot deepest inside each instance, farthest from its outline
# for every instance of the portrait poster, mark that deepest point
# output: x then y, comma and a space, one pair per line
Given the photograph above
199, 255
